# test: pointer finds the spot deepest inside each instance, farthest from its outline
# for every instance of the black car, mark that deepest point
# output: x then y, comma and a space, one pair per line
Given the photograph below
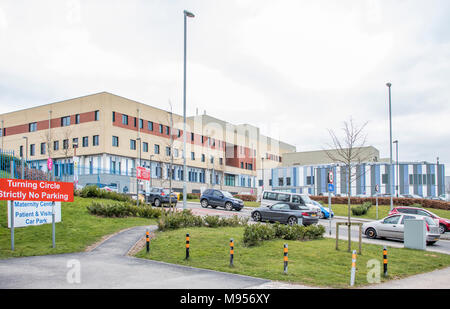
219, 198
284, 212
160, 196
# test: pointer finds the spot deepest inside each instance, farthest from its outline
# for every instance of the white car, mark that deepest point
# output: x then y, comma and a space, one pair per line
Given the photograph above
393, 227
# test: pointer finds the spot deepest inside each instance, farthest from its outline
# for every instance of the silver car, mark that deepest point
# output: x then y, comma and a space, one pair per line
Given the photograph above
393, 227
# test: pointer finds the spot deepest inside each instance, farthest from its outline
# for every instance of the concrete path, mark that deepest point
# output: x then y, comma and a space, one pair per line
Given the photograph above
108, 267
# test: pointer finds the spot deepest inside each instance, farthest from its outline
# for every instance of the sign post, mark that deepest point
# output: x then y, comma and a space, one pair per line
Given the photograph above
377, 188
330, 189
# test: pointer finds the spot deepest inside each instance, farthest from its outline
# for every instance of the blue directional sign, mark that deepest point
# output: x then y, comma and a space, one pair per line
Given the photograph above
330, 187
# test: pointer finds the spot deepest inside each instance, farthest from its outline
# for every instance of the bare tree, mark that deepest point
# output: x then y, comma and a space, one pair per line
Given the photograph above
349, 151
66, 135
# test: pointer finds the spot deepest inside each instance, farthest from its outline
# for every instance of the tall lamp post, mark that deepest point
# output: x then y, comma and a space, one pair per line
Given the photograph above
151, 156
186, 15
396, 163
391, 181
262, 173
137, 179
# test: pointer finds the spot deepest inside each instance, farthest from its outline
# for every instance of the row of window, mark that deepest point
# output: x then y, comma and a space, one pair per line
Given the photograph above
65, 121
65, 145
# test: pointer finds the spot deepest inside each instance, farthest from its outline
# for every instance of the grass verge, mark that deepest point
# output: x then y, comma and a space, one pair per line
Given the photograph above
313, 263
76, 231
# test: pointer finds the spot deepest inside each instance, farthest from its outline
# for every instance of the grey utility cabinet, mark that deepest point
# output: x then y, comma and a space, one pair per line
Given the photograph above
415, 234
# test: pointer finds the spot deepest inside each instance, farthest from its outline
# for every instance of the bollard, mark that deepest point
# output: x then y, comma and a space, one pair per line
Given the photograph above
187, 246
231, 252
147, 240
352, 276
285, 258
385, 261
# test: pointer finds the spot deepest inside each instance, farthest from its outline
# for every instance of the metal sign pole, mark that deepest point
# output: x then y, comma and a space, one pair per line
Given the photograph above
12, 210
331, 186
53, 224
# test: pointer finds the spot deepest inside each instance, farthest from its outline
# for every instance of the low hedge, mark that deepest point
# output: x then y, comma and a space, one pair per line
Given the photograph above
96, 192
386, 201
122, 210
254, 234
246, 197
185, 218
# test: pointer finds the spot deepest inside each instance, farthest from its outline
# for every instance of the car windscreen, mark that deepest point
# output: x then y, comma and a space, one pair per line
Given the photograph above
227, 194
306, 199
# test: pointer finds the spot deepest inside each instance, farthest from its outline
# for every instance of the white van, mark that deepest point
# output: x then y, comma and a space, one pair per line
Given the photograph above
269, 198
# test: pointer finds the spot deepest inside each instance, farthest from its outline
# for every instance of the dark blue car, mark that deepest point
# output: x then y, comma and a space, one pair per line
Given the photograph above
219, 198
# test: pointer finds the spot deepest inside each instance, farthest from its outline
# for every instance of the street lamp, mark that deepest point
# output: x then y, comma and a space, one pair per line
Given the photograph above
396, 162
262, 172
390, 147
137, 179
151, 156
186, 15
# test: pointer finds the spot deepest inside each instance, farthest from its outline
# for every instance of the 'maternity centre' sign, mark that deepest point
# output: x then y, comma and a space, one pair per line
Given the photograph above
28, 213
35, 190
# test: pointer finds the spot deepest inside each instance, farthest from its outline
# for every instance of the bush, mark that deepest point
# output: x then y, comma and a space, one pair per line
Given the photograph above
359, 210
96, 192
255, 233
121, 210
246, 197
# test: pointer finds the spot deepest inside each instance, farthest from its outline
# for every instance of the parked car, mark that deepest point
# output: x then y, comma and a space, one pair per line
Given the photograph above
393, 227
286, 212
444, 224
269, 198
161, 196
324, 213
219, 198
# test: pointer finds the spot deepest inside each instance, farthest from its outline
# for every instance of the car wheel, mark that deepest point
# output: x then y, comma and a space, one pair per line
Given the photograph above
256, 216
157, 202
371, 233
292, 221
321, 215
442, 228
229, 206
204, 203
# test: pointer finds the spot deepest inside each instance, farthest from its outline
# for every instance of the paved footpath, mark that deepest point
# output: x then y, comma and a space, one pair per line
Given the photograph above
109, 267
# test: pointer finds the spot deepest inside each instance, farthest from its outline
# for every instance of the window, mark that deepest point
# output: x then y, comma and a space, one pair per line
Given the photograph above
85, 141
150, 126
97, 115
145, 147
135, 122
167, 151
192, 136
192, 155
175, 153
32, 150
288, 181
384, 179
161, 128
115, 141
42, 148
283, 197
156, 149
407, 218
56, 145
95, 140
114, 116
179, 133
167, 130
132, 144
65, 121
77, 118
66, 144
242, 164
280, 181
32, 127
125, 119
297, 199
221, 161
391, 220
21, 151
281, 206
141, 124
203, 157
270, 196
211, 160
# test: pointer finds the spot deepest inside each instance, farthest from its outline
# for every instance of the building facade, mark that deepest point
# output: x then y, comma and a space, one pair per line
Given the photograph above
102, 138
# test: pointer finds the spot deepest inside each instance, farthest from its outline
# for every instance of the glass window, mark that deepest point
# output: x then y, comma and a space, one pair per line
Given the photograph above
125, 119
281, 206
141, 124
132, 144
391, 220
32, 127
156, 149
283, 197
203, 157
113, 116
423, 213
161, 128
65, 144
56, 145
270, 196
32, 150
97, 115
192, 155
115, 141
167, 151
405, 217
42, 148
150, 126
77, 118
296, 199
95, 140
145, 147
65, 121
85, 141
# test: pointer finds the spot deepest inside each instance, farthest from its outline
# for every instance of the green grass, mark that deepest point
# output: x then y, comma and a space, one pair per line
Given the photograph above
246, 203
77, 230
383, 211
313, 263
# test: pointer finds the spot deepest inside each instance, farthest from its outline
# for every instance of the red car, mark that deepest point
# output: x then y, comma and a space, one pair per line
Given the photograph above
444, 224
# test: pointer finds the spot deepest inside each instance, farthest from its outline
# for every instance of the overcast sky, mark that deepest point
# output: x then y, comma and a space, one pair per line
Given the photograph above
293, 68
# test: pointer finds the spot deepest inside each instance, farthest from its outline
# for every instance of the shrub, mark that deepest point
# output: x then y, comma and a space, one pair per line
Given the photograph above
359, 210
246, 197
255, 233
121, 210
96, 192
212, 221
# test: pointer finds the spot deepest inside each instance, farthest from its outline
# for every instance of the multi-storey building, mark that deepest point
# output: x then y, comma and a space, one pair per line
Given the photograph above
102, 138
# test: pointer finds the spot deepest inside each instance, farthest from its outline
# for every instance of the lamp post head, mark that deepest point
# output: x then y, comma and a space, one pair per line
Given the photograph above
188, 14
389, 85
